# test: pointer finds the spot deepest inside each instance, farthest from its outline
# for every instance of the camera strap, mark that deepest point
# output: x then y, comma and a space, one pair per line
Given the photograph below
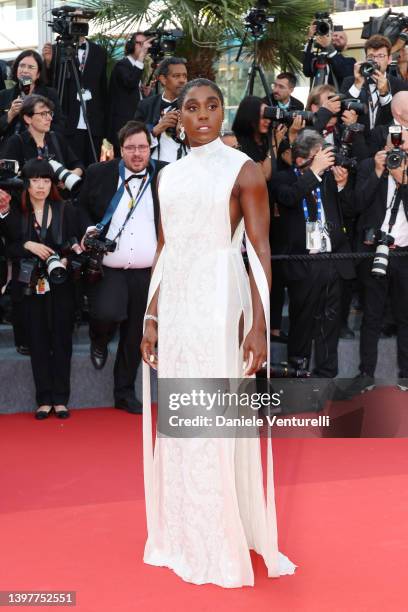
317, 194
145, 182
394, 205
55, 144
110, 211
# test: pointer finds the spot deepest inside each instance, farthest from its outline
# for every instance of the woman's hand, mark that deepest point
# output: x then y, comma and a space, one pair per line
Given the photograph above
298, 124
254, 351
148, 345
280, 133
14, 109
38, 249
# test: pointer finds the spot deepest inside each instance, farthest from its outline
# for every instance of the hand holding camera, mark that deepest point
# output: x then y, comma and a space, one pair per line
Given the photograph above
297, 125
358, 77
323, 160
349, 117
14, 109
333, 104
38, 249
167, 122
379, 159
341, 176
144, 49
381, 81
4, 202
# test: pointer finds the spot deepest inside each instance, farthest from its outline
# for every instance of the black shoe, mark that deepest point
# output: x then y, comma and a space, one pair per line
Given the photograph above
388, 331
61, 412
43, 412
133, 406
360, 384
346, 333
23, 350
98, 356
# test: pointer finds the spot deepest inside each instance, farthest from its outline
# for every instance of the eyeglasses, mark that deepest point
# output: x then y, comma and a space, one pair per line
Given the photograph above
134, 148
45, 114
379, 56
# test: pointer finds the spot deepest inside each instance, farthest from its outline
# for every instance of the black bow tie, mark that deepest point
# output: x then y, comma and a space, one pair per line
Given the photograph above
135, 176
83, 47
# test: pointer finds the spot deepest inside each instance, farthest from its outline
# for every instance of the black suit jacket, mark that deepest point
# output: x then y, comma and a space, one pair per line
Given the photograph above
383, 116
124, 95
6, 98
148, 111
371, 200
339, 65
289, 191
92, 78
100, 186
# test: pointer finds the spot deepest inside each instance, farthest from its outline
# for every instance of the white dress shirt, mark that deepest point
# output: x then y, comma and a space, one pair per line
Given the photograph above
376, 98
137, 244
400, 228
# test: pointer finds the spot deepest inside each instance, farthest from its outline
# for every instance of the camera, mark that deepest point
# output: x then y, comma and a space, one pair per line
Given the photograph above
396, 156
279, 115
368, 68
71, 181
8, 175
323, 23
24, 84
56, 271
352, 104
98, 247
258, 17
295, 368
69, 22
164, 43
32, 269
382, 241
389, 24
342, 154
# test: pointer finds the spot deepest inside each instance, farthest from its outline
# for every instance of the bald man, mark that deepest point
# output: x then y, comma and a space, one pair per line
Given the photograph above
399, 112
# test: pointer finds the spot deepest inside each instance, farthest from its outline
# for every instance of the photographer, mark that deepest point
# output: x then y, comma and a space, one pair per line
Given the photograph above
281, 94
332, 44
38, 141
160, 112
313, 198
91, 61
121, 196
371, 84
125, 85
399, 112
382, 201
36, 229
28, 74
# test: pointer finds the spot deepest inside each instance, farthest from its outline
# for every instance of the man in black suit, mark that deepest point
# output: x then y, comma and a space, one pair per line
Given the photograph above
125, 86
381, 199
126, 188
379, 135
338, 66
91, 62
377, 90
160, 112
281, 93
313, 198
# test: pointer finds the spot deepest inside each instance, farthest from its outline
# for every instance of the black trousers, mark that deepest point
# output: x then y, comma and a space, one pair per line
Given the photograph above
315, 314
120, 298
81, 145
277, 295
375, 292
50, 320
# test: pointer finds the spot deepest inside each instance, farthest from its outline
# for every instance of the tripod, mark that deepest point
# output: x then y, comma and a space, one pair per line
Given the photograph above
65, 64
321, 70
254, 69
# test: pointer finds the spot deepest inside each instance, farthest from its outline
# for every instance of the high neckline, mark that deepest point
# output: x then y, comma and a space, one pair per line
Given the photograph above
207, 149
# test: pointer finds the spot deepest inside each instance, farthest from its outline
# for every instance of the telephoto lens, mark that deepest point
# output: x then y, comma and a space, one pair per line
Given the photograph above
56, 271
70, 180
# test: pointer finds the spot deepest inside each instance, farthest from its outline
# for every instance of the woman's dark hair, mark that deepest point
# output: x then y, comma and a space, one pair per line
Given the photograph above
28, 106
199, 83
38, 59
133, 127
37, 168
131, 43
245, 127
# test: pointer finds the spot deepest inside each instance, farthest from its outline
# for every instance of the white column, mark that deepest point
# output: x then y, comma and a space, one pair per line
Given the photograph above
44, 14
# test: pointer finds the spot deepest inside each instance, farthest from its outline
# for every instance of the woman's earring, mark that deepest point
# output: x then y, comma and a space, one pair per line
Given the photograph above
182, 133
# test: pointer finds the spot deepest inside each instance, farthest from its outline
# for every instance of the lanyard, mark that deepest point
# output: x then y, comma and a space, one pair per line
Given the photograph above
317, 193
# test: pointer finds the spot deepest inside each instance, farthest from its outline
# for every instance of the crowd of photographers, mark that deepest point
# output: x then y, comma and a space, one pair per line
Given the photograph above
336, 174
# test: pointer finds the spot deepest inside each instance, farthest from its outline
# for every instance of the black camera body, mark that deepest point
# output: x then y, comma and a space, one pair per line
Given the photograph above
91, 260
164, 43
8, 175
343, 153
368, 68
280, 115
389, 24
323, 23
396, 157
354, 104
257, 18
66, 22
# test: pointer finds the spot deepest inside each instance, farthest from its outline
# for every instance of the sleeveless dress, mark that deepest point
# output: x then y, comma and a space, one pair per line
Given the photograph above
205, 501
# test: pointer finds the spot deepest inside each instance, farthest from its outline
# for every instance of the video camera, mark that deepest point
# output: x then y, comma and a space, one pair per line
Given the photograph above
69, 22
396, 156
382, 241
280, 115
389, 24
258, 17
164, 43
323, 23
8, 175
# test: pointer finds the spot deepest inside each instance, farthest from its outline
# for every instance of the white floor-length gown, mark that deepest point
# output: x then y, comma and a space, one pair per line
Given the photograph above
205, 501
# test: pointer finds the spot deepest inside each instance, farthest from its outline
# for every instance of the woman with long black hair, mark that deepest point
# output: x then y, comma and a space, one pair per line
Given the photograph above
37, 230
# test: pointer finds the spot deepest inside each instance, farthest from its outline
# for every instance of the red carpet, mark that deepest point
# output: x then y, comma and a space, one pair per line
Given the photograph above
72, 518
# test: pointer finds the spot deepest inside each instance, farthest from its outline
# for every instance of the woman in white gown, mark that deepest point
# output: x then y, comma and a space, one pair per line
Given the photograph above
205, 502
